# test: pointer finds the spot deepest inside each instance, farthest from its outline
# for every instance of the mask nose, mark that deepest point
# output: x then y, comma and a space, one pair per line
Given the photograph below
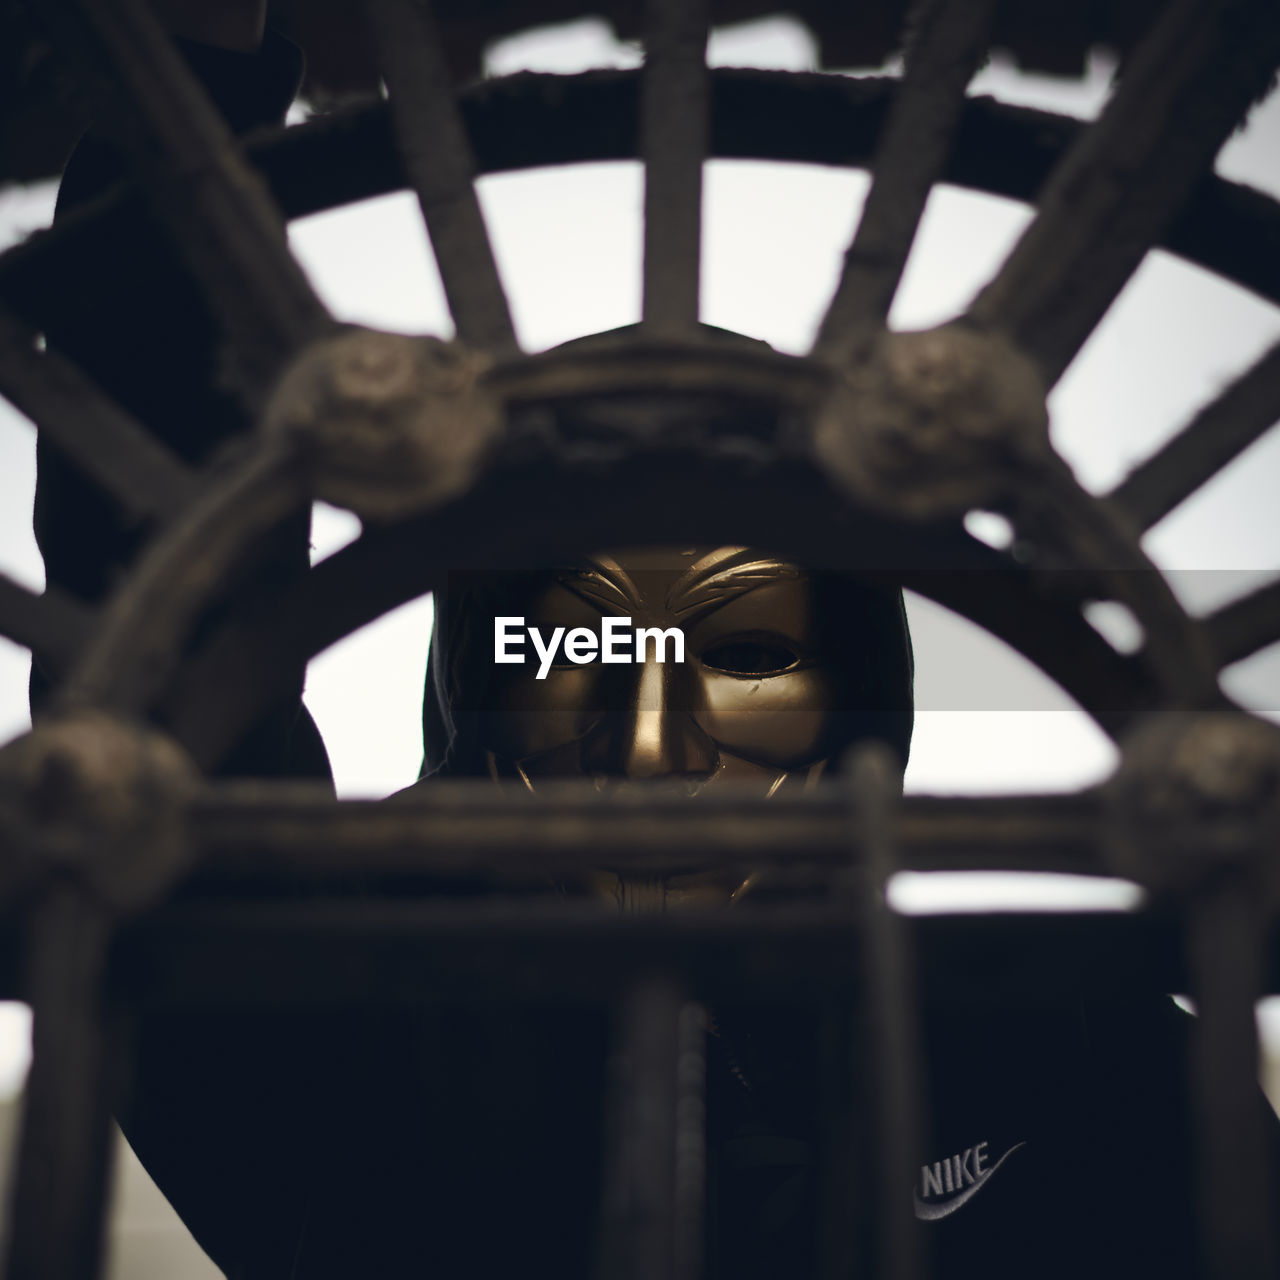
654, 733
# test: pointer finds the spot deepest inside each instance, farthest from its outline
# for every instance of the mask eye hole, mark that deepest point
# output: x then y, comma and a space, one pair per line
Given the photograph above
751, 657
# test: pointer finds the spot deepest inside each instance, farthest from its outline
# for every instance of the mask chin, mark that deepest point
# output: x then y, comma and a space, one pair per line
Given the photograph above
641, 895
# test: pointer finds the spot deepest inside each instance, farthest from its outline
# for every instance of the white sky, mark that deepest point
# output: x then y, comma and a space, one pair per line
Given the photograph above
568, 246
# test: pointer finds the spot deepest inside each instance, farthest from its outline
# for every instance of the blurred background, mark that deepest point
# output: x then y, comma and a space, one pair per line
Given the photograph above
568, 247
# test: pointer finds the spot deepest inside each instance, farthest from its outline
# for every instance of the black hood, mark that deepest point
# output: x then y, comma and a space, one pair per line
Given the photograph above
869, 620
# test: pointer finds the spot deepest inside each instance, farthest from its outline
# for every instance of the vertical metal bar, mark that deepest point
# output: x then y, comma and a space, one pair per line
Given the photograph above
673, 141
910, 156
60, 1191
1226, 935
889, 1023
691, 1142
651, 1225
440, 165
840, 1240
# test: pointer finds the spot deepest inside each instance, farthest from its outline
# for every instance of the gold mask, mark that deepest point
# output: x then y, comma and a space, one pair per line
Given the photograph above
755, 700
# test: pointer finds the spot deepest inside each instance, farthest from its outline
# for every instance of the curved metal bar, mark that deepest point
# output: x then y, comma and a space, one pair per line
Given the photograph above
673, 141
91, 429
439, 164
1098, 539
1192, 79
1222, 430
147, 621
214, 206
910, 157
530, 120
216, 695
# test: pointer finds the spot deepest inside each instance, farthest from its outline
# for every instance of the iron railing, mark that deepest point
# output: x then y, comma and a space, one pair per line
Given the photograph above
874, 439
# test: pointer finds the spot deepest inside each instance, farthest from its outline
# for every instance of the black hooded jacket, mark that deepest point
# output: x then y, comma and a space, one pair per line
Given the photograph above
1059, 1138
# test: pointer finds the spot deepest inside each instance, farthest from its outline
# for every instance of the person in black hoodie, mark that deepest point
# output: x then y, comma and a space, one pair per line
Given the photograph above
1058, 1129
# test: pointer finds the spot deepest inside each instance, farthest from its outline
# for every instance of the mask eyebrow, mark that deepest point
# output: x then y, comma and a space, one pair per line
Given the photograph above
601, 581
724, 575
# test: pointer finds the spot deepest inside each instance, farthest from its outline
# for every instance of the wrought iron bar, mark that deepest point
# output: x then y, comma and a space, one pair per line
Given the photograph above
51, 624
1225, 936
910, 157
216, 209
890, 1037
1100, 541
534, 119
674, 131
1220, 432
56, 1228
257, 832
264, 952
1120, 185
691, 1142
839, 1243
86, 425
639, 1239
249, 665
146, 622
438, 162
1239, 629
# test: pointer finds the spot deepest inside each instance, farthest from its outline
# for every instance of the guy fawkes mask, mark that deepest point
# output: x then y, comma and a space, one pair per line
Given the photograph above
754, 701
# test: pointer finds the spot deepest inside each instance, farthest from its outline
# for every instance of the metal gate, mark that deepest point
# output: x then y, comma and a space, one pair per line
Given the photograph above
875, 438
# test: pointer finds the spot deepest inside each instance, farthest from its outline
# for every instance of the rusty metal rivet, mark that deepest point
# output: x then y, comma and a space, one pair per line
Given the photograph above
96, 799
933, 423
389, 424
1197, 794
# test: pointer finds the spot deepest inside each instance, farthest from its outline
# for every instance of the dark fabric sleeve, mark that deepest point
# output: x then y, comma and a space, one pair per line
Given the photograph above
143, 332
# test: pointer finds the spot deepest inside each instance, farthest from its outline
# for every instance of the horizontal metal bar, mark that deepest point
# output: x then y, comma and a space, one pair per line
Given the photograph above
256, 833
53, 625
413, 953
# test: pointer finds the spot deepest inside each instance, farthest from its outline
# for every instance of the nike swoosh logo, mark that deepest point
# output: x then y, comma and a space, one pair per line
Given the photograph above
930, 1212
